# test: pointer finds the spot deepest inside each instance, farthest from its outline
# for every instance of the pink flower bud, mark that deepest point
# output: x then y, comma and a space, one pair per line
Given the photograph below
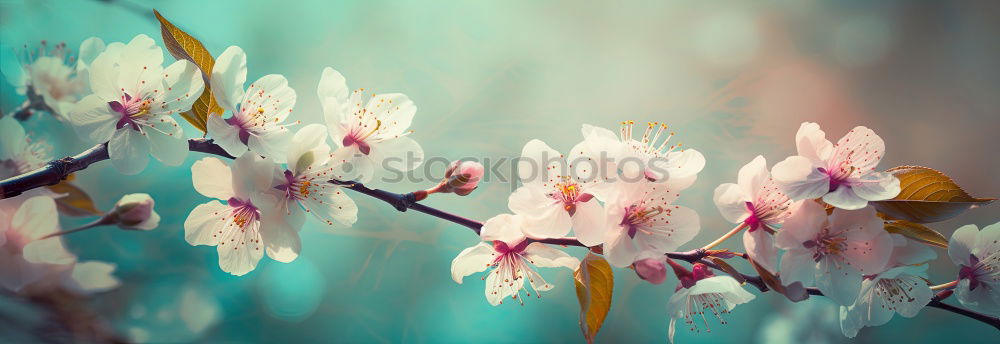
651, 269
462, 177
134, 211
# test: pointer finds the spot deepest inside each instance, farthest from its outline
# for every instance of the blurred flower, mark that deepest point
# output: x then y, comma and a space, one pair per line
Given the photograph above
257, 114
371, 133
133, 99
843, 175
651, 267
833, 252
700, 292
511, 258
25, 254
305, 185
977, 253
18, 153
758, 203
134, 211
642, 217
613, 154
462, 177
247, 222
49, 79
551, 200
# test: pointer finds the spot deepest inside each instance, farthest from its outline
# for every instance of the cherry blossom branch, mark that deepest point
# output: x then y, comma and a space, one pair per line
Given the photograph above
936, 303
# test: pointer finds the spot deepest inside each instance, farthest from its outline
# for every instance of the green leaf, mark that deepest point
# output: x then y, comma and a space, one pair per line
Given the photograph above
75, 201
927, 195
183, 46
595, 282
917, 232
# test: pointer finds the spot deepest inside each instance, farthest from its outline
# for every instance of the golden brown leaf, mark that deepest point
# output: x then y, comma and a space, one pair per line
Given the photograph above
927, 195
916, 232
183, 46
595, 282
75, 201
729, 269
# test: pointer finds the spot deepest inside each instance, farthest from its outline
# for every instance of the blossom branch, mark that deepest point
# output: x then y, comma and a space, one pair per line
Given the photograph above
936, 303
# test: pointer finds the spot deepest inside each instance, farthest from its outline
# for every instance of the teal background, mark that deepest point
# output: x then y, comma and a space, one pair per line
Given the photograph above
734, 79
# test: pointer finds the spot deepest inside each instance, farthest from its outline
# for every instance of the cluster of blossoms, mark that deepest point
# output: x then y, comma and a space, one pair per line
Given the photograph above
807, 220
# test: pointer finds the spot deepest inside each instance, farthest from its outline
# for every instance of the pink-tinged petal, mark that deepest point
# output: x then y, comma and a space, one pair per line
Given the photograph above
838, 281
594, 132
845, 198
619, 249
732, 202
228, 76
182, 85
760, 246
800, 178
400, 154
989, 240
589, 222
505, 228
552, 222
333, 207
961, 244
307, 148
797, 265
753, 176
241, 256
93, 119
35, 218
213, 178
682, 164
871, 256
167, 141
545, 256
540, 165
497, 289
802, 226
205, 224
225, 135
15, 272
680, 225
861, 148
811, 143
129, 151
876, 186
861, 224
472, 260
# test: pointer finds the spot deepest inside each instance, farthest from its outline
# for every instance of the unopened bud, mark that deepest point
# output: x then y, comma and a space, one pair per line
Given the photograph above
651, 269
134, 211
461, 177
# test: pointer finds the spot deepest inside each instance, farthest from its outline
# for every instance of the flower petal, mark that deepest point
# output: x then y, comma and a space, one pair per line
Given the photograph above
811, 143
205, 224
166, 140
213, 178
588, 223
760, 246
472, 260
753, 176
182, 85
129, 151
94, 276
503, 227
732, 202
93, 119
226, 135
280, 239
797, 266
228, 76
311, 140
876, 186
542, 255
800, 179
845, 198
400, 154
801, 226
838, 281
539, 164
861, 148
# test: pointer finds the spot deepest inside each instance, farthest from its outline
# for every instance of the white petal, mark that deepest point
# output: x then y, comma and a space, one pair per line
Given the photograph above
167, 141
251, 174
309, 140
542, 255
94, 276
803, 225
732, 202
619, 249
129, 150
812, 144
845, 198
800, 179
182, 85
399, 154
838, 281
205, 223
93, 119
271, 97
589, 223
685, 163
861, 148
472, 260
225, 135
760, 246
332, 85
280, 239
213, 178
989, 240
503, 227
35, 218
240, 257
680, 225
141, 67
797, 266
228, 75
539, 164
271, 144
876, 186
103, 75
552, 222
89, 49
962, 241
395, 111
12, 138
334, 207
47, 251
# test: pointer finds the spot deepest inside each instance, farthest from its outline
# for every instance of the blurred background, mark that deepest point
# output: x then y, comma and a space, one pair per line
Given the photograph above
733, 79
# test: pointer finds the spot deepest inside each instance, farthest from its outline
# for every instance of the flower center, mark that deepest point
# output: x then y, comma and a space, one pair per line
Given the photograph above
568, 193
358, 134
295, 188
639, 218
648, 142
826, 244
244, 213
131, 109
838, 175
